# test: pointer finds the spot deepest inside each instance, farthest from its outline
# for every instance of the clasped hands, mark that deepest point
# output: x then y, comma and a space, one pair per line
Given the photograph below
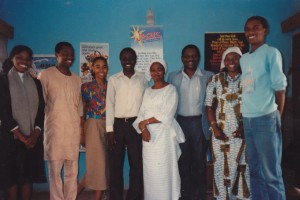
239, 133
30, 141
146, 136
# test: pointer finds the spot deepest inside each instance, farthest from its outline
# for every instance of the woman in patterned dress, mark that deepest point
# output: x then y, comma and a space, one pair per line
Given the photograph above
94, 102
223, 99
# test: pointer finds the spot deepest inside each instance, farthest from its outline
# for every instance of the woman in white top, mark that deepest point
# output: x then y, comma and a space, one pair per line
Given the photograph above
161, 136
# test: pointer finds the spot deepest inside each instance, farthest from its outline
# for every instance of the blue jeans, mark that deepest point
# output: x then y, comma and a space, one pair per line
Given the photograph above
264, 150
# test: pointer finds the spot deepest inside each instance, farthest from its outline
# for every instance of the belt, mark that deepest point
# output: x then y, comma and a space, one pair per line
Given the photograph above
196, 116
125, 119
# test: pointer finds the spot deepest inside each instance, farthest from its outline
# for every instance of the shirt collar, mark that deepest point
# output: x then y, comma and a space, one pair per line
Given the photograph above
197, 72
122, 74
21, 75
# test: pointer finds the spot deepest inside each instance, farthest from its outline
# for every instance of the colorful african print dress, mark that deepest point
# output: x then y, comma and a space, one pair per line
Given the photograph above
231, 173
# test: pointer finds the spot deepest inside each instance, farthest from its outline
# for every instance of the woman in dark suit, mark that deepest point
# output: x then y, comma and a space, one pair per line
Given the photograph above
22, 119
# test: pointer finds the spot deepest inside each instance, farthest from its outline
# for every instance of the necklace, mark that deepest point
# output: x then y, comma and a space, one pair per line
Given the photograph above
230, 98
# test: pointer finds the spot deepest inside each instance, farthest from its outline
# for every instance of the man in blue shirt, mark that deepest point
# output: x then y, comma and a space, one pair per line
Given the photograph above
190, 82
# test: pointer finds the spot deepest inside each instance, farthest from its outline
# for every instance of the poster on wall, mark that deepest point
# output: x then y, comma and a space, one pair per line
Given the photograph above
89, 51
43, 61
147, 41
217, 43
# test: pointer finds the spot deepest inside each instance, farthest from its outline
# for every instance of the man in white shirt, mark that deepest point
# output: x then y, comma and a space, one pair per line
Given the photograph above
190, 83
124, 97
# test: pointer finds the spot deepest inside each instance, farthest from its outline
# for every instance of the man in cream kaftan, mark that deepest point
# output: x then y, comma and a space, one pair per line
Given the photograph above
63, 111
62, 125
62, 121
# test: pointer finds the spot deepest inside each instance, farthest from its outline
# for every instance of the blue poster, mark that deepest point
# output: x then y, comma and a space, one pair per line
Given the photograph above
43, 61
147, 41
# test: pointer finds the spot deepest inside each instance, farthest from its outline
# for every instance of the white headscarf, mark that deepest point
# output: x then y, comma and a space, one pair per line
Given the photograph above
227, 51
161, 61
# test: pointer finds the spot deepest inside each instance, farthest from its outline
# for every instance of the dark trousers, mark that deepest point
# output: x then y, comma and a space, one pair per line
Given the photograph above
291, 160
192, 162
126, 136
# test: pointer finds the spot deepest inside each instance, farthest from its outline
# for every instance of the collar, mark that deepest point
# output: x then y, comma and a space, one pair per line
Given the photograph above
21, 75
122, 74
236, 77
95, 82
197, 72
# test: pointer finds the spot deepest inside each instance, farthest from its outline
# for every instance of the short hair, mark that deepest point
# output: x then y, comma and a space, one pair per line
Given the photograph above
128, 49
190, 46
261, 19
59, 46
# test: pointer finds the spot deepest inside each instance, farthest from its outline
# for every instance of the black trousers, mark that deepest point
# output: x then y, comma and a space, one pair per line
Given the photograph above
126, 137
192, 162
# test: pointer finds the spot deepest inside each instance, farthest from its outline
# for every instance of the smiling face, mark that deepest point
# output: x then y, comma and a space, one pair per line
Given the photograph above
232, 62
255, 33
157, 72
22, 61
65, 57
100, 69
190, 58
128, 61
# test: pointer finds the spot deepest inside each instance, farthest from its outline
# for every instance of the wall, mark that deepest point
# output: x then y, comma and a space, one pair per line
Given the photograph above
40, 24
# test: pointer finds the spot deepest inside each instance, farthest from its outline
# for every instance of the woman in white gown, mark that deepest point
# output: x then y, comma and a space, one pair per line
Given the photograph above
161, 136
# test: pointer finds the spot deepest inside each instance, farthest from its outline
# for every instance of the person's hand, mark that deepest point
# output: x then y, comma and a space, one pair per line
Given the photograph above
111, 141
82, 139
82, 135
143, 124
239, 133
23, 139
146, 136
32, 139
220, 135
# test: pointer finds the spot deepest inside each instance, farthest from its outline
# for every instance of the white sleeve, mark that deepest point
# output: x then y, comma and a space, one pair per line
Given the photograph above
110, 106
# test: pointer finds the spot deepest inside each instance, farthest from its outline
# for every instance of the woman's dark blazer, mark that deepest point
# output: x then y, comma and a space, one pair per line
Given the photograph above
9, 156
7, 121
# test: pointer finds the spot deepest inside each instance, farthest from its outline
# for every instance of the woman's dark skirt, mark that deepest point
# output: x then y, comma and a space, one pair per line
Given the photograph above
18, 164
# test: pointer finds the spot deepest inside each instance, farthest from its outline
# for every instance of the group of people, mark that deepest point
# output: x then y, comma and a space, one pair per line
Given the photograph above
165, 128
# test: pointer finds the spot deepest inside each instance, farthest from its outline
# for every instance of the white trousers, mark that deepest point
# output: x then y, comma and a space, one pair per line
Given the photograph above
67, 189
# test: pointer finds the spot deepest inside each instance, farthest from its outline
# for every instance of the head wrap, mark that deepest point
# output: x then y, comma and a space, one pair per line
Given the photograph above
161, 61
227, 51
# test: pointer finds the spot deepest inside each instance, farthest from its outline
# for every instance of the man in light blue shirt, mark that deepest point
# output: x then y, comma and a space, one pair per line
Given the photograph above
190, 83
263, 99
